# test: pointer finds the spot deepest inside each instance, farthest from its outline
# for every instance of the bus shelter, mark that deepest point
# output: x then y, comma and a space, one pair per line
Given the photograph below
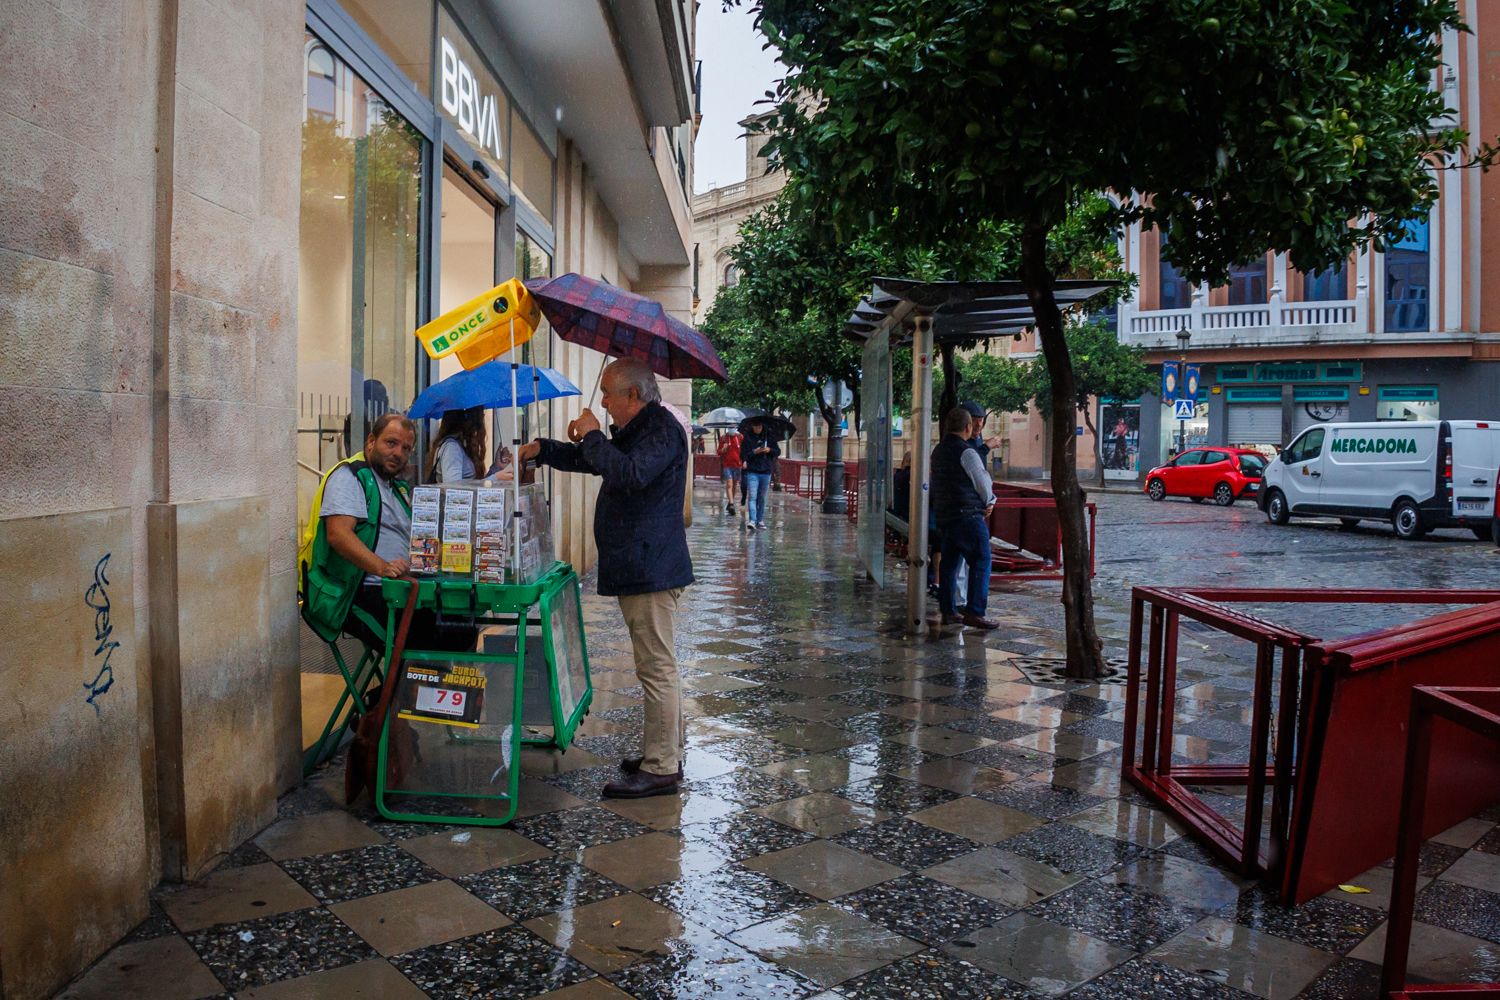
924, 315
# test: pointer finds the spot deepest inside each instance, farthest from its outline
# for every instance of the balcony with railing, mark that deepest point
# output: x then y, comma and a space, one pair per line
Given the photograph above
1276, 322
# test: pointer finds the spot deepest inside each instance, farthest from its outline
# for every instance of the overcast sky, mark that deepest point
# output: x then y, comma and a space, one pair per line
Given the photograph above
736, 74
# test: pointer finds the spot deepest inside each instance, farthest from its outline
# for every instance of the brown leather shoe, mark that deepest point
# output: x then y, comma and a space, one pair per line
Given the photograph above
642, 784
974, 621
950, 619
630, 765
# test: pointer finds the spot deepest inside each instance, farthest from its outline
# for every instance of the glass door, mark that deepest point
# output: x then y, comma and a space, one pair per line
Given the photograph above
466, 261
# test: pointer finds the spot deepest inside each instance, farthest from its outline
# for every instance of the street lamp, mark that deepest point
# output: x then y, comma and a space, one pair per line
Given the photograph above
1183, 336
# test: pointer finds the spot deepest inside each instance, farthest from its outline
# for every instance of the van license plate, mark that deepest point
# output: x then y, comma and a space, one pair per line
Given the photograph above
1472, 505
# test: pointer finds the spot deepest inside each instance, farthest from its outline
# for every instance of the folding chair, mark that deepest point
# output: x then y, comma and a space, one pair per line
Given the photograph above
361, 688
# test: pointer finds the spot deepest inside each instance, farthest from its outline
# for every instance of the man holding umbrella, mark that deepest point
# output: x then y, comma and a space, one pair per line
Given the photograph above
760, 451
643, 552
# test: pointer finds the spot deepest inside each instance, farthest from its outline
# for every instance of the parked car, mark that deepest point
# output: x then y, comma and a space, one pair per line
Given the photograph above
1220, 474
1416, 474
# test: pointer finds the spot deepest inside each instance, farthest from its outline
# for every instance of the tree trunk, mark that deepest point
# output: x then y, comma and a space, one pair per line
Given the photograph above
950, 383
1085, 650
833, 471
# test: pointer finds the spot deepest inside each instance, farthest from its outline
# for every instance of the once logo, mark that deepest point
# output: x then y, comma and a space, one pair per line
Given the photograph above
1378, 446
477, 114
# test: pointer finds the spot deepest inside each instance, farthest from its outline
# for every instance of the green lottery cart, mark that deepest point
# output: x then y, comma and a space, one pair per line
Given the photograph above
451, 742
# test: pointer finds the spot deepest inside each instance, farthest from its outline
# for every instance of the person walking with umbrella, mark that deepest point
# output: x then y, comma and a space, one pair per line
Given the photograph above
760, 451
731, 466
643, 552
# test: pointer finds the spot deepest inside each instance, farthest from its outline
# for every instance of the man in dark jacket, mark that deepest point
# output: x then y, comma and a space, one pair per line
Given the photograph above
759, 450
962, 496
643, 553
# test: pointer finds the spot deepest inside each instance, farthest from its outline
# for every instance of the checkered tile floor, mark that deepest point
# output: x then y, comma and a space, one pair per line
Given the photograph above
865, 816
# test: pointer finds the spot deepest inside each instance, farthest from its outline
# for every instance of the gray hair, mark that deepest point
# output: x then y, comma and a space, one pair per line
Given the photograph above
633, 373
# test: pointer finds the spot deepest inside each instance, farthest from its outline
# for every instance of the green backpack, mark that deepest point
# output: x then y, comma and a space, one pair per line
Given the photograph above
328, 581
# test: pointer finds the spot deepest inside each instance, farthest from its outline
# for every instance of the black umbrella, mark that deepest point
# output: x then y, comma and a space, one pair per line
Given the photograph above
777, 428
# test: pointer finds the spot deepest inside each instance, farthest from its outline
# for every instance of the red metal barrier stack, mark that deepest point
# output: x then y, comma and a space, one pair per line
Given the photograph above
1026, 518
1476, 710
1339, 709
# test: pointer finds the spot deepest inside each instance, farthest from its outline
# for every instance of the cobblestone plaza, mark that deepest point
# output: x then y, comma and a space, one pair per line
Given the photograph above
865, 815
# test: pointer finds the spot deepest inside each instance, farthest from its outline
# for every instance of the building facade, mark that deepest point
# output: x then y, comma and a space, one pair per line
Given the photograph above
717, 217
1411, 333
222, 225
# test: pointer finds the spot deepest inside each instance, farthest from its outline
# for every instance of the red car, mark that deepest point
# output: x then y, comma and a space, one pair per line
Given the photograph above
1221, 474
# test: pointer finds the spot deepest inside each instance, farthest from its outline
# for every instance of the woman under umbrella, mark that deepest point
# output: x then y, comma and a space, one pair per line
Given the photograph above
460, 449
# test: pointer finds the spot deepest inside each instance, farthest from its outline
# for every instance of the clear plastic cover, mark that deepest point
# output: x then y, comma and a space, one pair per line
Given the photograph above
452, 735
567, 650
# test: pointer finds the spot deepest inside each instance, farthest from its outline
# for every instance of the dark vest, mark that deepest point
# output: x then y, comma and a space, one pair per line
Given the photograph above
953, 494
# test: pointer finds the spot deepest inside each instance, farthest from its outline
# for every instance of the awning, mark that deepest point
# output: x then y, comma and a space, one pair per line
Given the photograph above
962, 311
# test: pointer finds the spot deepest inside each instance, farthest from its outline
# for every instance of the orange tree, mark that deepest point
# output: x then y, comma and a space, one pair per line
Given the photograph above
1241, 125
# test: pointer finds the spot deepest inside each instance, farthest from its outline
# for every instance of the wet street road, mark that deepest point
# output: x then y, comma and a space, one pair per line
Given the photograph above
865, 816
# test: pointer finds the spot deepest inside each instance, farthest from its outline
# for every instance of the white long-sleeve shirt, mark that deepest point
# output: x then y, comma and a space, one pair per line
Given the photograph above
974, 466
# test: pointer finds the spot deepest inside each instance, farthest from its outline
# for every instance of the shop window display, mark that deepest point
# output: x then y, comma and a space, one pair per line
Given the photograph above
358, 259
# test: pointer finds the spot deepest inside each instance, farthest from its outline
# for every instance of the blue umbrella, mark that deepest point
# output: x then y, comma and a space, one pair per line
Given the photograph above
489, 386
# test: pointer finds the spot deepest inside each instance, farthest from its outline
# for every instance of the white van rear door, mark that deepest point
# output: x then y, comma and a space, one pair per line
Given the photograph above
1476, 458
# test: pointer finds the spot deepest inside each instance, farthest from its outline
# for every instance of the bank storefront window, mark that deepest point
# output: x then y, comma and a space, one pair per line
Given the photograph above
402, 29
358, 259
533, 261
1407, 402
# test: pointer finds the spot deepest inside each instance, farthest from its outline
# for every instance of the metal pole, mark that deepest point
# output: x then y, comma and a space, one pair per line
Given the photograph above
921, 467
515, 450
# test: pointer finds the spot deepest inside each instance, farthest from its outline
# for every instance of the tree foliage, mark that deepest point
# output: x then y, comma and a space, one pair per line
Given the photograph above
999, 384
1241, 126
1102, 367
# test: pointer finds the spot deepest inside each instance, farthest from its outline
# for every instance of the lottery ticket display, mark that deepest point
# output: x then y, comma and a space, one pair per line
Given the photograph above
458, 531
426, 509
492, 531
469, 529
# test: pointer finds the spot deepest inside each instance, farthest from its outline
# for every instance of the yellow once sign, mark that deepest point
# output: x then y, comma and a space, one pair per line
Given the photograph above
480, 330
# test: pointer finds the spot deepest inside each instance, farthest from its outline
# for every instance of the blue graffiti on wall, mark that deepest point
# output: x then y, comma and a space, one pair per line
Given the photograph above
97, 597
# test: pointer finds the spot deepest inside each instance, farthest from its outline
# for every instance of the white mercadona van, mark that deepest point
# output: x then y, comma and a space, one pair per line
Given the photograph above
1417, 474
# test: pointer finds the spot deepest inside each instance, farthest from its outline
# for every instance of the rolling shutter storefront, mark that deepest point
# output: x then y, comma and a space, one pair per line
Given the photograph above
1253, 417
1313, 405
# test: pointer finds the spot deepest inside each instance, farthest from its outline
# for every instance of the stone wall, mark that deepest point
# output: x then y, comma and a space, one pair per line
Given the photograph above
148, 236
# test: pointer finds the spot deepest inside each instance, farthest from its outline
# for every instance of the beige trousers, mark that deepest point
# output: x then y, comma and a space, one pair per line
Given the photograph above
651, 619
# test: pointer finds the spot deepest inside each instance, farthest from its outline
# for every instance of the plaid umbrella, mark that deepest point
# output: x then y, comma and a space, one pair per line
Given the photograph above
622, 324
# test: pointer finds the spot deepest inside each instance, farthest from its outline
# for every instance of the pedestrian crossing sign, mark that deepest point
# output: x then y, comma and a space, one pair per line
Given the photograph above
1183, 409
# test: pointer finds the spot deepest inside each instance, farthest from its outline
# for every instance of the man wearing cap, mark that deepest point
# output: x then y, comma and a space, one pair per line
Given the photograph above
977, 440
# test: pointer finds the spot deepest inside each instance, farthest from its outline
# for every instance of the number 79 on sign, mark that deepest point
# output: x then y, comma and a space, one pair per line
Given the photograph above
444, 701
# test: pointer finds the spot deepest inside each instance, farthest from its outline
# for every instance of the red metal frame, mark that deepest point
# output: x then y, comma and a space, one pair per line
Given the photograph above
1029, 563
1475, 709
788, 473
1290, 768
810, 480
706, 467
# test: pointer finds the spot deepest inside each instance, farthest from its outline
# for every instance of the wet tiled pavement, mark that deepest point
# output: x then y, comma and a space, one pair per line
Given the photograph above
865, 816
